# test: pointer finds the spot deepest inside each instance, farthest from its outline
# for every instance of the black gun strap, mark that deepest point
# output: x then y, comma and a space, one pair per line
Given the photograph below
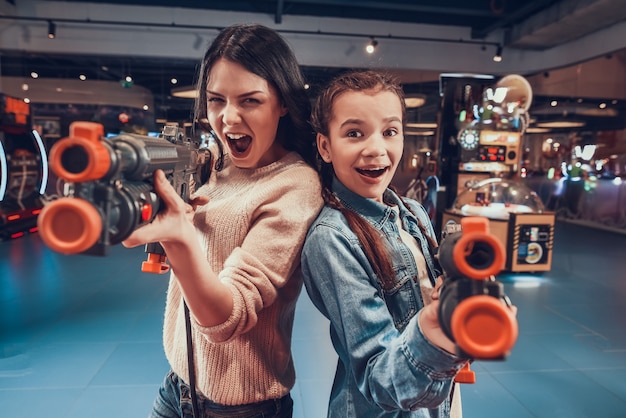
190, 362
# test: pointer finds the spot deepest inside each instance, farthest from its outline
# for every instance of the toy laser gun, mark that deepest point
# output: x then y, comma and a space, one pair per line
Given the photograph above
109, 188
474, 311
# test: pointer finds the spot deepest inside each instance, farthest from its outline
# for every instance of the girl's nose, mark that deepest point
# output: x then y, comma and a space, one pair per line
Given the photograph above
375, 146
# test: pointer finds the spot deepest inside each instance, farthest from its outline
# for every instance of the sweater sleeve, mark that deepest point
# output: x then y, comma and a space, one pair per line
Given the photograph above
281, 209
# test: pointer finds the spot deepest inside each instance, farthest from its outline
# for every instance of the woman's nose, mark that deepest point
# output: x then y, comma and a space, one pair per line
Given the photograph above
231, 115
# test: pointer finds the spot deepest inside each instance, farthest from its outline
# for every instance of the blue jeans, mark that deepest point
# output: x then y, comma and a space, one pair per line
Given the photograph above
174, 401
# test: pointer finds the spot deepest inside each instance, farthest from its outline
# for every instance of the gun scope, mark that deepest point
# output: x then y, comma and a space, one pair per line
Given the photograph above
473, 253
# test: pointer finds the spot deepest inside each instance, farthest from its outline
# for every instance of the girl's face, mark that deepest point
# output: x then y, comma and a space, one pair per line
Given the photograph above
244, 109
365, 141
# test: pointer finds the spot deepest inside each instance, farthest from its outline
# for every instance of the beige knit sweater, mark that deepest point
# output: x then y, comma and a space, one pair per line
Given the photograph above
252, 231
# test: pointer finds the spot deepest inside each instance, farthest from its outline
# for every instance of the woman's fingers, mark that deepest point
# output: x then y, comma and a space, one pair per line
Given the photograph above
168, 218
165, 191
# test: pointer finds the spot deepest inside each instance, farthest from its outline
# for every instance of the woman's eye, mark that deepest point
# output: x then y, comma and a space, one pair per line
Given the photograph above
213, 99
252, 100
391, 132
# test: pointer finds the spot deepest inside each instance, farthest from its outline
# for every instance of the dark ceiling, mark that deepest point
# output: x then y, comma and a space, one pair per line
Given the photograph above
482, 16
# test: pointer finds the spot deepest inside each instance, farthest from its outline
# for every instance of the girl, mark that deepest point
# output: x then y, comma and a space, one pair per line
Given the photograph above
368, 263
262, 196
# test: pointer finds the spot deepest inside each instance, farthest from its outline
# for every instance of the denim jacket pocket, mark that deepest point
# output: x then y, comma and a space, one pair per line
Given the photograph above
401, 300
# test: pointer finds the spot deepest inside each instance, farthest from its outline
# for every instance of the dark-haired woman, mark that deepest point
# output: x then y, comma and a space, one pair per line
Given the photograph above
235, 250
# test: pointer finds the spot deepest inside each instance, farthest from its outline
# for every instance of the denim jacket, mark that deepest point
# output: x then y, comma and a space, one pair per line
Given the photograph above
386, 368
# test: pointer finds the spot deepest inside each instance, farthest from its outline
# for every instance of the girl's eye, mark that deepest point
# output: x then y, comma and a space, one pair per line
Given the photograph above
391, 132
354, 134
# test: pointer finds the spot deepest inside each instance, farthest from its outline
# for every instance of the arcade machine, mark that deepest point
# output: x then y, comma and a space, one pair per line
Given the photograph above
23, 170
480, 136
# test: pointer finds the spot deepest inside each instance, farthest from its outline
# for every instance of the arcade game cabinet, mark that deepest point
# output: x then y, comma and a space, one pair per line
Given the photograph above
23, 170
517, 218
479, 138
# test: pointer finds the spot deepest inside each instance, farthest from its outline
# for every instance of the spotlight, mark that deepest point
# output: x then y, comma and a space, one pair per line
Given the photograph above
498, 56
52, 29
371, 47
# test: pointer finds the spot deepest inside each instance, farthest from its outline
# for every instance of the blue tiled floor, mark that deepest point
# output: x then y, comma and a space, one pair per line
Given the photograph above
81, 336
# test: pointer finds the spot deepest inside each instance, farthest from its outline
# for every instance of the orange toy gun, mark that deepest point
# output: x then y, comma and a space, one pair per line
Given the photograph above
111, 190
474, 311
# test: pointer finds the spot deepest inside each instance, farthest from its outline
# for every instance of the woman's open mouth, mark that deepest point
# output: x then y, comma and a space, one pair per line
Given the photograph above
239, 144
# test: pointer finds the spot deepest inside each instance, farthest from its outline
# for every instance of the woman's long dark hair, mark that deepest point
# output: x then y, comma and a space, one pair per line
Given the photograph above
263, 52
371, 239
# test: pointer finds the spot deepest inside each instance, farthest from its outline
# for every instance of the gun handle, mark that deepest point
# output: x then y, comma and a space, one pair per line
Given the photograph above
157, 260
465, 375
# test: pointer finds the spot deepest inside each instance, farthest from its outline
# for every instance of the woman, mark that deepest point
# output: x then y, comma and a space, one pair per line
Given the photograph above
235, 260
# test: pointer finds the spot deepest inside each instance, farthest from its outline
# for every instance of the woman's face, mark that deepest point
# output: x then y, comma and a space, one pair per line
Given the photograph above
244, 109
365, 141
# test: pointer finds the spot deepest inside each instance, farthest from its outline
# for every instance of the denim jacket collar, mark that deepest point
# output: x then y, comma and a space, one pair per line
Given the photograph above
376, 212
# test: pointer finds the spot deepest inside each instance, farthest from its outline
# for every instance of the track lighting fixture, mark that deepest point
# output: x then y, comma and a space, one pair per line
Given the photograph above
371, 47
52, 29
498, 56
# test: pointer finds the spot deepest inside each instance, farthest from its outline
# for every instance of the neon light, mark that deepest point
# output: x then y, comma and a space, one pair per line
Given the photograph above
4, 173
44, 163
17, 235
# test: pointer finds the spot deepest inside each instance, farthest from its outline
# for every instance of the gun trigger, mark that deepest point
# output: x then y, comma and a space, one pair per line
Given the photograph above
156, 264
465, 375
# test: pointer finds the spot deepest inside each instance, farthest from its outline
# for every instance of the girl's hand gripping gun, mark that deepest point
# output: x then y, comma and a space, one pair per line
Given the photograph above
474, 311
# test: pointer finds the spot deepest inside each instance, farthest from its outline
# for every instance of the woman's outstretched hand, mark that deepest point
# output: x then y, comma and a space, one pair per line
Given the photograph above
173, 222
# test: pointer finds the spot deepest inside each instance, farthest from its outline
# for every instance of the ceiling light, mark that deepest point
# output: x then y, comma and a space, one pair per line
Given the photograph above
371, 47
186, 92
419, 133
415, 101
537, 130
498, 56
52, 29
423, 125
561, 124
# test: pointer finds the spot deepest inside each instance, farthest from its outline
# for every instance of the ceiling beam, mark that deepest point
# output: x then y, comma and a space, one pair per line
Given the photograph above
278, 16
